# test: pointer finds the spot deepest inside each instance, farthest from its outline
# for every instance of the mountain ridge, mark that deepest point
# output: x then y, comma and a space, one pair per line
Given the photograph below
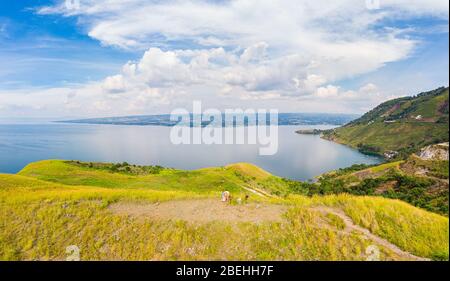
399, 127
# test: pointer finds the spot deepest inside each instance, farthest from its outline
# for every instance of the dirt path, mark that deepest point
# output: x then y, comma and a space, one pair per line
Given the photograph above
206, 210
257, 191
351, 226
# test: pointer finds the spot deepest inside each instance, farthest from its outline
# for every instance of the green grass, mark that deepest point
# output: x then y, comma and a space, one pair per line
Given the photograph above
422, 183
386, 166
209, 180
371, 134
416, 231
435, 168
204, 180
408, 136
102, 236
54, 204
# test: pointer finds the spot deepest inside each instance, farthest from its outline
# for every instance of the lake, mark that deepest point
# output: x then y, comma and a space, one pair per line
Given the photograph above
299, 157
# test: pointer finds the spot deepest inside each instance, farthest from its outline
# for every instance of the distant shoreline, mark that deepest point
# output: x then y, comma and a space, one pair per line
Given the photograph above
284, 119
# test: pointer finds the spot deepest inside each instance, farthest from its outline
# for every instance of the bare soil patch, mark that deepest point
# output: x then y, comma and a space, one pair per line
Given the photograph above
385, 187
206, 210
363, 174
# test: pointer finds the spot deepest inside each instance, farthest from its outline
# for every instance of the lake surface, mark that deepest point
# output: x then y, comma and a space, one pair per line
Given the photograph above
300, 157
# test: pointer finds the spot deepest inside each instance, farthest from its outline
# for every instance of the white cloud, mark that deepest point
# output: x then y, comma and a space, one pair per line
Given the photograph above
328, 91
133, 23
114, 84
244, 73
368, 88
255, 52
337, 37
226, 52
365, 97
418, 7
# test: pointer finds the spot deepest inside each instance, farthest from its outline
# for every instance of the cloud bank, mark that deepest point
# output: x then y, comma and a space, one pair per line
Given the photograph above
284, 52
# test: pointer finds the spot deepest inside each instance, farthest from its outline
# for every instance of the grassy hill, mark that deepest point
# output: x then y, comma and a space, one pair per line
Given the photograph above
120, 212
422, 183
399, 127
235, 178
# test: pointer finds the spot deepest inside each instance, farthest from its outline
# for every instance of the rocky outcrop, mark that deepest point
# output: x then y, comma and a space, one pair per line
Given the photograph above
435, 152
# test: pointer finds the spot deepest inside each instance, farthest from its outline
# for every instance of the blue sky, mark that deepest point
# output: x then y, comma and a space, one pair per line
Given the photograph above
49, 51
112, 57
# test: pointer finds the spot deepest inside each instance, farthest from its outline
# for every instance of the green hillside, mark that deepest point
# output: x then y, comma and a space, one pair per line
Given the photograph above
235, 178
126, 212
419, 182
399, 127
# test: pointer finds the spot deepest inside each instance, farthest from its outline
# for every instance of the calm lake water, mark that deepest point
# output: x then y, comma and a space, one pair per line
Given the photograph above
299, 157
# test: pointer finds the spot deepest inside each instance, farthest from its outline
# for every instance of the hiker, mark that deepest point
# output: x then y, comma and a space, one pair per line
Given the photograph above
226, 196
246, 198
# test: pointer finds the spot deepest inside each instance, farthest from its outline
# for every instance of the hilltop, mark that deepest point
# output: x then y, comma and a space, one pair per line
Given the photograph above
128, 212
397, 128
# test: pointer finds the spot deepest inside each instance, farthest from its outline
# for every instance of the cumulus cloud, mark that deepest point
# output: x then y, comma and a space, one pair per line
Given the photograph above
249, 70
114, 84
242, 50
133, 23
255, 52
368, 94
328, 91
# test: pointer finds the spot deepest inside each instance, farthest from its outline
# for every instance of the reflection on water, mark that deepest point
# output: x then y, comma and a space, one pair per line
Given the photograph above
299, 156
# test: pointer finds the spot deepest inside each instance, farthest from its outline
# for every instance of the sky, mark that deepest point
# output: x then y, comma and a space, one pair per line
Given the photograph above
97, 58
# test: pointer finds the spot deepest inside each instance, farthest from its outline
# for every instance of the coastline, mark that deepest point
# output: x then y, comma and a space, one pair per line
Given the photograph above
325, 134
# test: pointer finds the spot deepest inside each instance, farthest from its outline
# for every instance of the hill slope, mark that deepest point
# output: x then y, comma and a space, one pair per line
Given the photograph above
237, 178
418, 180
399, 127
125, 212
